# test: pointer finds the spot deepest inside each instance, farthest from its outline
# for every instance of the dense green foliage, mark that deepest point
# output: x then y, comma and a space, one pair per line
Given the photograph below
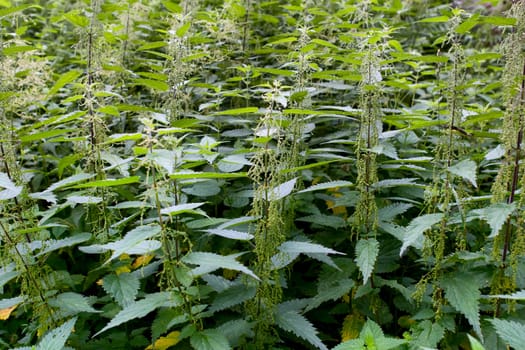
245, 174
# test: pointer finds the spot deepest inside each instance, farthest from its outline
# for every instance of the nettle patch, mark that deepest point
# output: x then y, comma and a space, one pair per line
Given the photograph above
262, 174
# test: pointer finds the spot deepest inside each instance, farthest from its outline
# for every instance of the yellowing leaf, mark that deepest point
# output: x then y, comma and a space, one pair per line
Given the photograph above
5, 313
122, 269
141, 261
352, 326
164, 343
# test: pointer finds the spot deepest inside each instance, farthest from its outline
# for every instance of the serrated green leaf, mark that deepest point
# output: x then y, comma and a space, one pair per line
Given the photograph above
510, 332
12, 10
56, 338
281, 191
293, 322
305, 247
7, 273
496, 215
9, 302
465, 169
327, 185
181, 208
519, 295
474, 343
209, 262
462, 292
235, 330
141, 308
468, 24
172, 7
182, 30
44, 135
234, 295
52, 245
209, 339
354, 344
72, 303
14, 49
153, 84
238, 111
366, 251
63, 80
231, 234
109, 182
122, 287
413, 233
11, 190
206, 175
128, 244
438, 19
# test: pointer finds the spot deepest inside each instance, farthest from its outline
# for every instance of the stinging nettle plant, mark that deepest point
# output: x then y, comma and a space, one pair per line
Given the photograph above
208, 174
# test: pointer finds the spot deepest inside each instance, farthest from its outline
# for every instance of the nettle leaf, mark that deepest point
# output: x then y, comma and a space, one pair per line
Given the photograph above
366, 251
11, 189
295, 247
496, 215
234, 295
281, 191
56, 338
7, 273
142, 307
134, 242
231, 234
209, 339
293, 322
374, 338
209, 262
474, 343
465, 169
510, 332
327, 185
72, 303
235, 330
413, 235
52, 245
519, 295
122, 287
181, 208
462, 292
63, 80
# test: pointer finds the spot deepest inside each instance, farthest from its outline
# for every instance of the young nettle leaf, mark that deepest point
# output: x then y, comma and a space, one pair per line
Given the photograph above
209, 262
474, 343
182, 208
511, 332
234, 295
141, 308
134, 242
366, 251
327, 185
232, 234
305, 247
63, 80
209, 339
465, 169
413, 235
293, 322
281, 191
123, 287
56, 338
72, 303
496, 215
11, 190
462, 292
519, 295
